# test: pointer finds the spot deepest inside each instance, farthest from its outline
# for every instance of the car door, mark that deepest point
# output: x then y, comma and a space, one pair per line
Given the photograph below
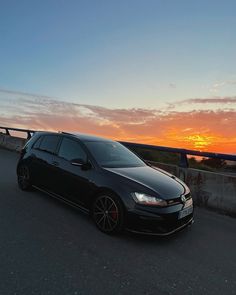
73, 181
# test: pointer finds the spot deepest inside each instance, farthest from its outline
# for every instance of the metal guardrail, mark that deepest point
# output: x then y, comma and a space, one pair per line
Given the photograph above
8, 129
183, 152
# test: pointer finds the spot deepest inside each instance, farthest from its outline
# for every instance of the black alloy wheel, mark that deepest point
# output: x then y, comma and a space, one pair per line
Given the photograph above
24, 178
108, 213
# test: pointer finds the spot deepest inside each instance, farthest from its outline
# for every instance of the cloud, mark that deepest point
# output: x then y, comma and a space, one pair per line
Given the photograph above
25, 94
213, 103
216, 86
221, 100
213, 100
172, 85
196, 129
204, 129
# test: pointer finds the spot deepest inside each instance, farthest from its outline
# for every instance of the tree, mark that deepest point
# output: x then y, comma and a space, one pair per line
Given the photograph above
214, 162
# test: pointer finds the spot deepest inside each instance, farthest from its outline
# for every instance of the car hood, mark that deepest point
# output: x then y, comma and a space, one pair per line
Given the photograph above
164, 184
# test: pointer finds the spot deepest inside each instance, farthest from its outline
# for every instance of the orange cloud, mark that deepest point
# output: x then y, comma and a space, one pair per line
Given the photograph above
204, 130
220, 100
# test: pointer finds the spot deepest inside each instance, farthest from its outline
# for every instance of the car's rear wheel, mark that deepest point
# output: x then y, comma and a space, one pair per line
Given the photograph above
108, 213
23, 177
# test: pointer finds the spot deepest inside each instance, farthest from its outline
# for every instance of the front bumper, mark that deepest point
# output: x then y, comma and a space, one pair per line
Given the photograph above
152, 223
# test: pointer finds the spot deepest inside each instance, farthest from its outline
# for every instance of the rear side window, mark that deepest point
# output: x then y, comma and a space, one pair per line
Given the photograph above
49, 143
37, 143
71, 150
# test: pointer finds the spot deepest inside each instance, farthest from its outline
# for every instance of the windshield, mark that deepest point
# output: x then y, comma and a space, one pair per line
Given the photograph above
113, 154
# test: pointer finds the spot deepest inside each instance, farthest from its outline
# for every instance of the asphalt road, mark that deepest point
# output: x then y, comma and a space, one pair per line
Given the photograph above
47, 247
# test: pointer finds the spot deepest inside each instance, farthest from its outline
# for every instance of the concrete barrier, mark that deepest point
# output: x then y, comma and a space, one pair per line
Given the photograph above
210, 190
11, 142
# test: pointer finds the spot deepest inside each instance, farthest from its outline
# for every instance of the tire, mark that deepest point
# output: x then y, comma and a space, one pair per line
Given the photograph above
23, 178
108, 213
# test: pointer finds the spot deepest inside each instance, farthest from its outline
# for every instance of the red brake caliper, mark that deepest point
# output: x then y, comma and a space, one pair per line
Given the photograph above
114, 213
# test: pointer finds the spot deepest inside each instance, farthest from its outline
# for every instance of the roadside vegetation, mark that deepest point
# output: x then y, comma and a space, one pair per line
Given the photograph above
202, 163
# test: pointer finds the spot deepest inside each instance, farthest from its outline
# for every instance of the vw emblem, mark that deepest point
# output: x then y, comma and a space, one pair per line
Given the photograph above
183, 199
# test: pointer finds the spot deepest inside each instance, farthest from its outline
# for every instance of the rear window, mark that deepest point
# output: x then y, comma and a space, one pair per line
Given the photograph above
49, 143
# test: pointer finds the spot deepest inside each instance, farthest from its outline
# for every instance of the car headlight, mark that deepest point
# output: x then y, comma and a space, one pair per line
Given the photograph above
145, 199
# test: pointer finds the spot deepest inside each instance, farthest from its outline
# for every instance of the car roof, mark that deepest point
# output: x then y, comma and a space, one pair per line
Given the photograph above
81, 136
86, 137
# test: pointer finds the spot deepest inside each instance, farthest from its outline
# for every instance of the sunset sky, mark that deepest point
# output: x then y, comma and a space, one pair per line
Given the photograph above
155, 71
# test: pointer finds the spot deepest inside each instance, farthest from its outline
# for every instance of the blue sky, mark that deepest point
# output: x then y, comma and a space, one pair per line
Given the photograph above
119, 54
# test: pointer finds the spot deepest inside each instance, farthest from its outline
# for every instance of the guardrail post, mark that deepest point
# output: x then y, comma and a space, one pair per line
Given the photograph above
28, 135
183, 160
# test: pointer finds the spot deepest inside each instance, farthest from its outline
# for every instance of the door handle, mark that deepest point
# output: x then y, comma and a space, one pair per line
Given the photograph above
55, 163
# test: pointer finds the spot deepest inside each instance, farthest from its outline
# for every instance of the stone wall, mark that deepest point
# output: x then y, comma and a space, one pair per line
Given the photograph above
210, 190
11, 142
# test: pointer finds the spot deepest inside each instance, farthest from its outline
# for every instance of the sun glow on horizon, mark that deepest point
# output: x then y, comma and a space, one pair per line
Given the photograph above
200, 142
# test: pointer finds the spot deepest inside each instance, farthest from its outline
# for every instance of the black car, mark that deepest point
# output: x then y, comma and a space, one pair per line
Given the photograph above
108, 181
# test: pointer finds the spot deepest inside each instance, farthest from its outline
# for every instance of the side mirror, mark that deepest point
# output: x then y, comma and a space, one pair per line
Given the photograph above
80, 162
77, 162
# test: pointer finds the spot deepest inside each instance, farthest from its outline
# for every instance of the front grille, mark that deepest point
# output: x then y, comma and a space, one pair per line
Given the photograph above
178, 201
173, 202
188, 196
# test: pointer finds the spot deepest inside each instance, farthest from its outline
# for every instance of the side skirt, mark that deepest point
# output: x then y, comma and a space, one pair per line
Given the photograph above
59, 197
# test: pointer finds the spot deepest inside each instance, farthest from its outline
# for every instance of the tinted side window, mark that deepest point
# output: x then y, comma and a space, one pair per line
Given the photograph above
37, 143
49, 143
71, 150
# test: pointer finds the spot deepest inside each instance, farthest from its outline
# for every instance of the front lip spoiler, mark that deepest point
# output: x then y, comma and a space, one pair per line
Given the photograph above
191, 221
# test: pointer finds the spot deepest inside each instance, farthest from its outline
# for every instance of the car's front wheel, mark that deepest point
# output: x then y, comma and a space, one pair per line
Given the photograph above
23, 177
108, 213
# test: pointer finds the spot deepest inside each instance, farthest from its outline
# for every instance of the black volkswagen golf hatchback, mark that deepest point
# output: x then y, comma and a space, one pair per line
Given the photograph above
108, 181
